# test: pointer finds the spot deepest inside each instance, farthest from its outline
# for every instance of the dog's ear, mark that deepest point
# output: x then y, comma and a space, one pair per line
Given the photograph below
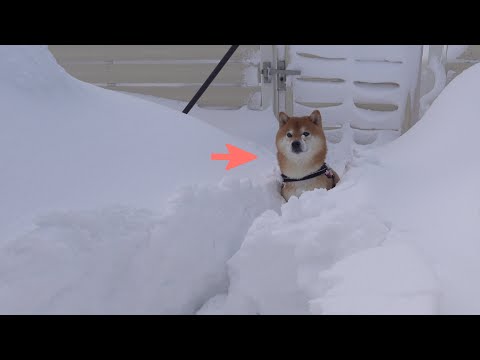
316, 117
282, 118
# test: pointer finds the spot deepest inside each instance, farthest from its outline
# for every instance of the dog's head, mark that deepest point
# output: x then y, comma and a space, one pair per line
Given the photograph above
300, 136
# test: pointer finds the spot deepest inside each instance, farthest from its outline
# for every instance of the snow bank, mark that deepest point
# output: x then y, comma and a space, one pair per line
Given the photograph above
389, 279
278, 269
111, 204
85, 225
66, 144
132, 261
399, 235
239, 122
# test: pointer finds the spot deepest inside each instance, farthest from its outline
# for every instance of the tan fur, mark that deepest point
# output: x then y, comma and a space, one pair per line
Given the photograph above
312, 157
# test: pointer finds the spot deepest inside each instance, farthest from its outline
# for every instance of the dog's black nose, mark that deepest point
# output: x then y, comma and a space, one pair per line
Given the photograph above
296, 146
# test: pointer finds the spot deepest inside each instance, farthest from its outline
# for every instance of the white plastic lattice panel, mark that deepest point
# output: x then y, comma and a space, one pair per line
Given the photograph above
367, 88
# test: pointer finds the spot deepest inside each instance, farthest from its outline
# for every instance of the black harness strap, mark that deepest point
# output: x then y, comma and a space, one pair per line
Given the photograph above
323, 170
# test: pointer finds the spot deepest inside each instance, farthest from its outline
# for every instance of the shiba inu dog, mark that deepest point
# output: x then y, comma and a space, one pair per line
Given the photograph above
301, 152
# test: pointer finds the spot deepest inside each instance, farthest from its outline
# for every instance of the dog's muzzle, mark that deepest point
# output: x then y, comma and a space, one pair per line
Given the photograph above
296, 147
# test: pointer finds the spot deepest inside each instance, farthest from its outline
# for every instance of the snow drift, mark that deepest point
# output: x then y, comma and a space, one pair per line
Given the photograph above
110, 204
85, 224
399, 235
131, 261
65, 144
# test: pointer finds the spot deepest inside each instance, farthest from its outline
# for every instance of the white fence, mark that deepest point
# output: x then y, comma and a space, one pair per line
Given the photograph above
168, 71
367, 87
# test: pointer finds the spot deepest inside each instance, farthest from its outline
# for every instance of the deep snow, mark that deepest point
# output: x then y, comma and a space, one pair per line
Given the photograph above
110, 203
66, 144
101, 214
400, 234
131, 261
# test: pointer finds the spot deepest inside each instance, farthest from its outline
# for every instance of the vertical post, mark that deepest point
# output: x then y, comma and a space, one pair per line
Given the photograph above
266, 55
276, 101
280, 99
415, 107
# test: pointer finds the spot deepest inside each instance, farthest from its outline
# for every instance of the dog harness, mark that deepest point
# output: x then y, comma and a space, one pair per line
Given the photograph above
323, 170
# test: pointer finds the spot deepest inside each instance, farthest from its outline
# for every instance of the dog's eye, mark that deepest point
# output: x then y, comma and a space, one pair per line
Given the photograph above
306, 133
289, 134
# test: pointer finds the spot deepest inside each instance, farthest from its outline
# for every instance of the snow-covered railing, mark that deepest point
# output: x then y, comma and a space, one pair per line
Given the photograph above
167, 71
440, 65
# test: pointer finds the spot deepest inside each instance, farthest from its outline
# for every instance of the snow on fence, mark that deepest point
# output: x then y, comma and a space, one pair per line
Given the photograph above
363, 87
373, 92
167, 71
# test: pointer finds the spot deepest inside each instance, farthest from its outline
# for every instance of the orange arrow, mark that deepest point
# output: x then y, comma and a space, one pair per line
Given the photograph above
235, 156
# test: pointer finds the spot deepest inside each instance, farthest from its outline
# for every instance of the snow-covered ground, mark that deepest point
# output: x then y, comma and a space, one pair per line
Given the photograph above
110, 204
400, 235
65, 143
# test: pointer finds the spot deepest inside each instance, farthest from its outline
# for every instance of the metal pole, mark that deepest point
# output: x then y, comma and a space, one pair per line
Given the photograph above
209, 80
